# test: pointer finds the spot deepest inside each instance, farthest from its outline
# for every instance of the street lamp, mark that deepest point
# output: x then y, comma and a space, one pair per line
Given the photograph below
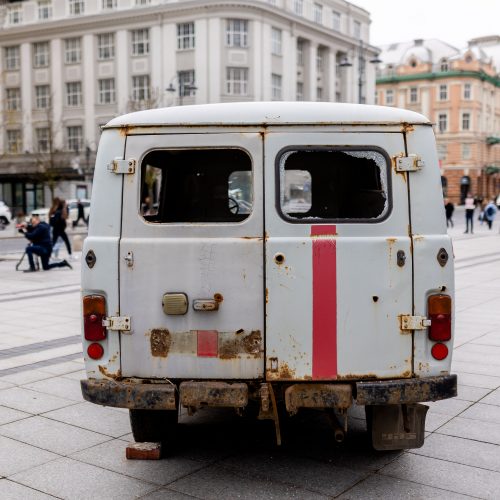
361, 68
182, 88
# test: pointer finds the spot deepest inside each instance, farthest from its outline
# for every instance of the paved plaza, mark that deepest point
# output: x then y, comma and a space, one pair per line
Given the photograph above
55, 445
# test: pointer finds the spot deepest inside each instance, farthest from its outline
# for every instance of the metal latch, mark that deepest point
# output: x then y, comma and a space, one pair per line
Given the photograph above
119, 166
117, 323
408, 322
410, 163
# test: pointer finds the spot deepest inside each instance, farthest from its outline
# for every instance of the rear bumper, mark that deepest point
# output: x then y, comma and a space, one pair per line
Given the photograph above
165, 396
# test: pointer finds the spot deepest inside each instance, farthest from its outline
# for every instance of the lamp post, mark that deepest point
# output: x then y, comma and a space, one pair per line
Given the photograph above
182, 87
361, 68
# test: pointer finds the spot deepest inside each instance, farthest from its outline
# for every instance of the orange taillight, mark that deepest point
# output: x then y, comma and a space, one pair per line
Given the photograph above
94, 311
439, 312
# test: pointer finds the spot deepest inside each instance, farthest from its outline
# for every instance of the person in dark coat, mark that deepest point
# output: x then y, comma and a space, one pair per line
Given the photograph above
38, 233
58, 214
81, 214
449, 209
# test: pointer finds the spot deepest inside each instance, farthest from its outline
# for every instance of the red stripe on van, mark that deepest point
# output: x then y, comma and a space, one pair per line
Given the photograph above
208, 343
324, 250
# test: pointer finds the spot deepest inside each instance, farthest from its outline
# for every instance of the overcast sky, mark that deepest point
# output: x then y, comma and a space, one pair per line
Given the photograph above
452, 21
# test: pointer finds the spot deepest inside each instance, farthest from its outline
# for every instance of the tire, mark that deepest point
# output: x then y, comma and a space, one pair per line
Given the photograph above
4, 220
153, 425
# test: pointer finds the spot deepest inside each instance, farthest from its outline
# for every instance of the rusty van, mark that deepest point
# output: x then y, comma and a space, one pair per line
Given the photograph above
287, 255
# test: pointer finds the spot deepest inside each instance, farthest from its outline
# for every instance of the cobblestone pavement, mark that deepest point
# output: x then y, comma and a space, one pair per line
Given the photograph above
53, 444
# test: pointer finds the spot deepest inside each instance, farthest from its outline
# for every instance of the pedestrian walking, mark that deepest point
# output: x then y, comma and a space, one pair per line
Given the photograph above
449, 209
58, 214
490, 212
38, 233
469, 213
81, 214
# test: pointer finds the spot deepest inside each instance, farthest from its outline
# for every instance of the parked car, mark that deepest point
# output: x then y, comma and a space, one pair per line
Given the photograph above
73, 210
5, 214
42, 212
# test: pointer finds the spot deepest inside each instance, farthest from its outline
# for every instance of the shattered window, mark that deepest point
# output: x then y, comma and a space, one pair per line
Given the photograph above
198, 185
333, 184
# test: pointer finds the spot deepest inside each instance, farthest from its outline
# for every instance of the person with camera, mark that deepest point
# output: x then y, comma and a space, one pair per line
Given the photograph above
38, 233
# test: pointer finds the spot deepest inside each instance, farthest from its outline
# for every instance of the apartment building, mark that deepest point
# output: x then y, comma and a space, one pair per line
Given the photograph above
68, 66
459, 91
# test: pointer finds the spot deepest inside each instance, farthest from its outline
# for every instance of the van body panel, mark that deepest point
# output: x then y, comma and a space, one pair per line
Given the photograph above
429, 237
332, 306
218, 264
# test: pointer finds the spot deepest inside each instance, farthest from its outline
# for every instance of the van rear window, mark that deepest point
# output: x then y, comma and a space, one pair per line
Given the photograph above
196, 185
333, 184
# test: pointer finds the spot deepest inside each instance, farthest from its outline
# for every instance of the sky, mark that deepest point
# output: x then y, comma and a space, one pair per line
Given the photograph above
453, 21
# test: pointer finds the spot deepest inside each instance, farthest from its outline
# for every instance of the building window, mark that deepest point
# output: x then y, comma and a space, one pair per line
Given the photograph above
276, 87
109, 4
42, 139
73, 93
320, 60
12, 57
107, 91
44, 9
319, 93
389, 96
76, 7
15, 15
276, 41
185, 36
186, 82
336, 20
356, 30
140, 42
237, 81
105, 46
444, 66
466, 152
42, 96
442, 151
299, 95
413, 95
142, 2
318, 13
298, 7
442, 122
467, 91
13, 99
41, 54
14, 142
140, 88
72, 50
75, 138
300, 52
443, 92
465, 121
237, 33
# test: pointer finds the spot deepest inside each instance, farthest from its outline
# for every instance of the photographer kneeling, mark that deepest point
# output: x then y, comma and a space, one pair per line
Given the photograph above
38, 233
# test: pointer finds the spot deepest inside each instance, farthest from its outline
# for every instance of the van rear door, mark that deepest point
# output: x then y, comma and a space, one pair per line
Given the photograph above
191, 257
338, 256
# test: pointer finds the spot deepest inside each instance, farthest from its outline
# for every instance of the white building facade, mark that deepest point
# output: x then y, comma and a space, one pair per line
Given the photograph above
69, 66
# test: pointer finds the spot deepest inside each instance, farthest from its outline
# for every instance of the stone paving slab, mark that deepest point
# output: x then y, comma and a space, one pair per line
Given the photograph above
58, 386
10, 415
488, 432
32, 402
9, 490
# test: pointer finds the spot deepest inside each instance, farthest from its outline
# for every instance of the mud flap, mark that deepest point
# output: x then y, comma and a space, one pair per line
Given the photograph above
397, 427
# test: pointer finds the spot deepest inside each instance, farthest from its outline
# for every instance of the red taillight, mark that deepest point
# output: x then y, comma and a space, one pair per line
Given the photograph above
439, 311
94, 311
95, 351
439, 351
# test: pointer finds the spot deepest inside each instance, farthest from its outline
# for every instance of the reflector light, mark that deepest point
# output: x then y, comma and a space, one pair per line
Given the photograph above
439, 351
95, 351
439, 312
94, 311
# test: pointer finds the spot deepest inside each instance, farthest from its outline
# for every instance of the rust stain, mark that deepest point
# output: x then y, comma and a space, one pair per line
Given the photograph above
357, 376
218, 297
285, 372
267, 295
106, 373
160, 342
407, 128
229, 349
252, 343
126, 129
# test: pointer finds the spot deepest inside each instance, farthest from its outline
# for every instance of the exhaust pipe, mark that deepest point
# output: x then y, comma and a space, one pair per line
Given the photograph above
338, 430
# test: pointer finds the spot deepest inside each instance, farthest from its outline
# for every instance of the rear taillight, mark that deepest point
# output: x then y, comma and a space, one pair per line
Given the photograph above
439, 312
439, 351
95, 351
94, 311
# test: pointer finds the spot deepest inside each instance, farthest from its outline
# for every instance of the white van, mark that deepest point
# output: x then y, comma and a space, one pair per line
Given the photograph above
289, 254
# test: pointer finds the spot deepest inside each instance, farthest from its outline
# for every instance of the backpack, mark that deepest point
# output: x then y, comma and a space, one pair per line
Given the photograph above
490, 211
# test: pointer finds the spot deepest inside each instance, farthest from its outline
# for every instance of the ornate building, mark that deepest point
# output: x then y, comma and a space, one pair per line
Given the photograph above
457, 89
68, 66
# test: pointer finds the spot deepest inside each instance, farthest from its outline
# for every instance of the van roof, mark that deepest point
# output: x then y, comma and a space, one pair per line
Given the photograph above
269, 113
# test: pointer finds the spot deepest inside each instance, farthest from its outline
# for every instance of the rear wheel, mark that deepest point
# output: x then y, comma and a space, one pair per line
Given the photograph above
153, 425
4, 220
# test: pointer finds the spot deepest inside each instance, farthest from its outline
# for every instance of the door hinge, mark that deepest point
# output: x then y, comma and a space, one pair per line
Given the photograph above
409, 323
410, 163
119, 166
117, 323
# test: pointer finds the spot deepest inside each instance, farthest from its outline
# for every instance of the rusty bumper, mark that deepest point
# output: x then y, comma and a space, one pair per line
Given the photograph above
413, 390
131, 395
